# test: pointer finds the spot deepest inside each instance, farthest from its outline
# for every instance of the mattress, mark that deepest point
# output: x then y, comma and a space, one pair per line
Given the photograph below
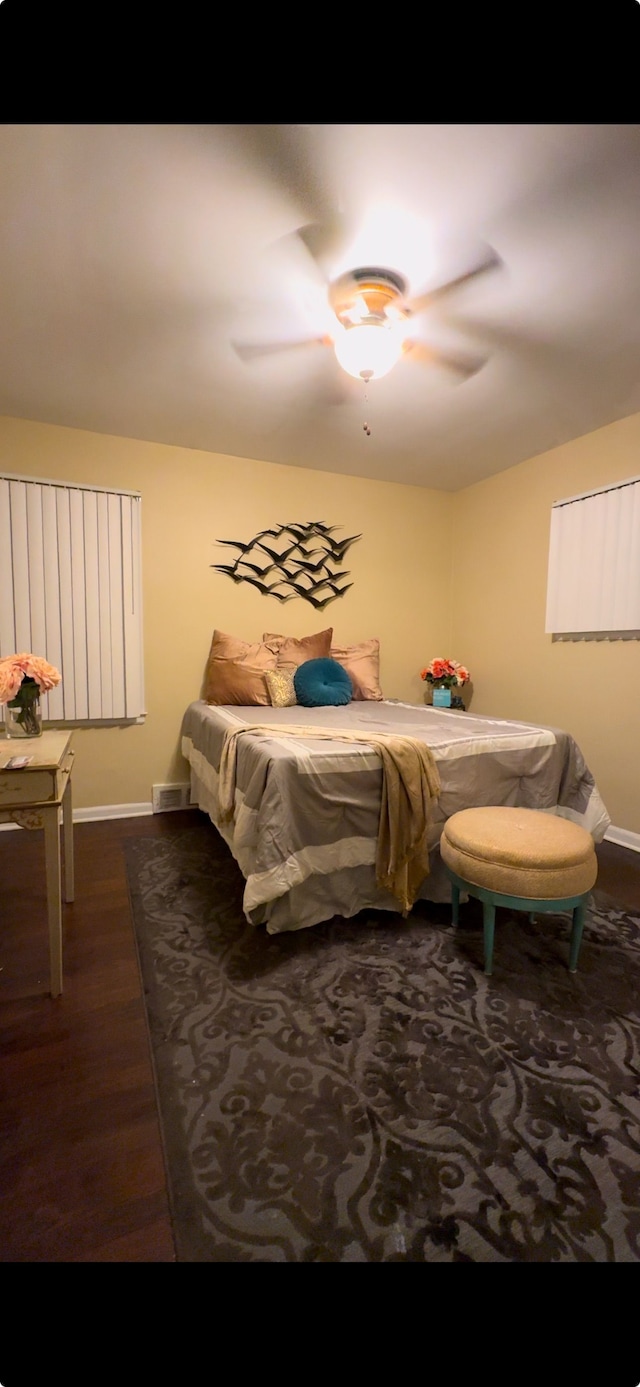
306, 810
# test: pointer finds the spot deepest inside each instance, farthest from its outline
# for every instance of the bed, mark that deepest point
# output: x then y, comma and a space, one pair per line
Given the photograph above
306, 810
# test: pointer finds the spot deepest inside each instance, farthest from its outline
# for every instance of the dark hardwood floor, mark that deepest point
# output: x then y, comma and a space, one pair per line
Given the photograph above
81, 1165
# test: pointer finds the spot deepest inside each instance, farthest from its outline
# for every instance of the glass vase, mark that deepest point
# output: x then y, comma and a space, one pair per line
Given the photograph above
24, 721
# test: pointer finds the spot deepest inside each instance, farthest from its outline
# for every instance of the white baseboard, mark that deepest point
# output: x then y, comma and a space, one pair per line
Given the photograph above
112, 811
105, 811
623, 837
118, 811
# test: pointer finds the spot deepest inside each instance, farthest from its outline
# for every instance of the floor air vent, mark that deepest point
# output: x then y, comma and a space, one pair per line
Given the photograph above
166, 797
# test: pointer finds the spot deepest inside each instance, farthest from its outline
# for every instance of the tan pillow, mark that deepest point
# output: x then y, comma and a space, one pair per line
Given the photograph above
362, 663
236, 683
292, 652
236, 671
281, 688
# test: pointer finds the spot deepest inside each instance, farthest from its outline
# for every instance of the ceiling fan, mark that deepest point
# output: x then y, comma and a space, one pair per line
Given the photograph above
371, 304
373, 315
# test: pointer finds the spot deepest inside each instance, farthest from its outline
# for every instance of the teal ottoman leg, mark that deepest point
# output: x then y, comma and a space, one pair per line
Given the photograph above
455, 902
576, 934
488, 925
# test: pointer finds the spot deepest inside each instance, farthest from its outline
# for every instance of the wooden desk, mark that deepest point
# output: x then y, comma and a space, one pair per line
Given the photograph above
32, 798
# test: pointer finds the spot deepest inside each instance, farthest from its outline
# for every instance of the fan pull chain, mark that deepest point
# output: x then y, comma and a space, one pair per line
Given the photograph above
366, 376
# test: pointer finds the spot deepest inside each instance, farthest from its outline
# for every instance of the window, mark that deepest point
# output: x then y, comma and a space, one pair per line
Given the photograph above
593, 583
70, 590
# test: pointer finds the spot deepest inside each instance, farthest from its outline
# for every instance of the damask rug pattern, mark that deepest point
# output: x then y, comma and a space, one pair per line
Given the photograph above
361, 1092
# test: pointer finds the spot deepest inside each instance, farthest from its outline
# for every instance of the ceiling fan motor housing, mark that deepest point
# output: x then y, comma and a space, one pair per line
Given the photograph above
366, 295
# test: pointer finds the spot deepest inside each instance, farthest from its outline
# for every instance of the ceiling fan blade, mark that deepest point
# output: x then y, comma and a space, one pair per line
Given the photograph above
324, 240
464, 364
489, 261
539, 352
294, 158
319, 244
290, 155
252, 351
332, 386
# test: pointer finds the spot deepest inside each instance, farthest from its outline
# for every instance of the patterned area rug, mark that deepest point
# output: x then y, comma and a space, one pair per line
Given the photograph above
360, 1092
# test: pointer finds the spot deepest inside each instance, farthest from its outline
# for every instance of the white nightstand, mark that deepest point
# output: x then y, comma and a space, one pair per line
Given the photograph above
32, 797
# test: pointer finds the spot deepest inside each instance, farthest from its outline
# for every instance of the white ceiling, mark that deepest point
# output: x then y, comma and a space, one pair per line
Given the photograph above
135, 259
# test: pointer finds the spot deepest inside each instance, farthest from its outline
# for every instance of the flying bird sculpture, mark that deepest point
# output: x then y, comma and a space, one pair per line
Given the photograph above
289, 553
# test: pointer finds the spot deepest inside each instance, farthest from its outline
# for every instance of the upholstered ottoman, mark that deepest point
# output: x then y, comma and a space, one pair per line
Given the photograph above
522, 859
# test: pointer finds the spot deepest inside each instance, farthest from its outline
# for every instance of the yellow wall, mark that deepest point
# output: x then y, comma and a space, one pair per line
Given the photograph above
435, 573
591, 688
401, 573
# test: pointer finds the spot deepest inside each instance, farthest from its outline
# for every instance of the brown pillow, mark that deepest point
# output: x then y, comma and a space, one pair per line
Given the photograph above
229, 682
362, 663
236, 669
291, 652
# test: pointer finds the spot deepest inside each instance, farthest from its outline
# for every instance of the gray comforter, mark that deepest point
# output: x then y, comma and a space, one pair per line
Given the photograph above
305, 823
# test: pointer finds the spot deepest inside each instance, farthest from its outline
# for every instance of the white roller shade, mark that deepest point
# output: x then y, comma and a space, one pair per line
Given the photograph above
71, 591
593, 581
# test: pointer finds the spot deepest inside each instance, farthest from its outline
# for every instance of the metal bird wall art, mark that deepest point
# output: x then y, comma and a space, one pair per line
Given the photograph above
291, 562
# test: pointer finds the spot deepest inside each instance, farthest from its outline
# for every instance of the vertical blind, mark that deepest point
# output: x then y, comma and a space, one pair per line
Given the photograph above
594, 562
71, 591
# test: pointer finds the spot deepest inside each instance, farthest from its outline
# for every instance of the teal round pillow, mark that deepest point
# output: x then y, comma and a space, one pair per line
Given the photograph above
319, 683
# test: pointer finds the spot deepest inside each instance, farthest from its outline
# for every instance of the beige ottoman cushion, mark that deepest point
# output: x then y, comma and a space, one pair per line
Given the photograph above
520, 852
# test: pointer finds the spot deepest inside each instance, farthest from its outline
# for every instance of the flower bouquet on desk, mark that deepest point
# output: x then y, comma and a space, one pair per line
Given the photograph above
23, 679
444, 675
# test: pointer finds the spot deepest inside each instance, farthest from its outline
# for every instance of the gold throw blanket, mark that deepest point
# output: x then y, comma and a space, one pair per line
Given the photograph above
410, 783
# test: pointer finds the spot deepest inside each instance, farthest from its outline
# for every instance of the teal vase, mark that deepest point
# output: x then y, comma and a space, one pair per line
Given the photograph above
441, 696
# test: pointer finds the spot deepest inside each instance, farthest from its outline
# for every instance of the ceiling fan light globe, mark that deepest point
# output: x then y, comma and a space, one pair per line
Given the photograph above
368, 350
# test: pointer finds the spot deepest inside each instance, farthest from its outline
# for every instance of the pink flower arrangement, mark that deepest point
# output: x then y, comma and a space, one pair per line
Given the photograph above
23, 678
448, 674
15, 669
